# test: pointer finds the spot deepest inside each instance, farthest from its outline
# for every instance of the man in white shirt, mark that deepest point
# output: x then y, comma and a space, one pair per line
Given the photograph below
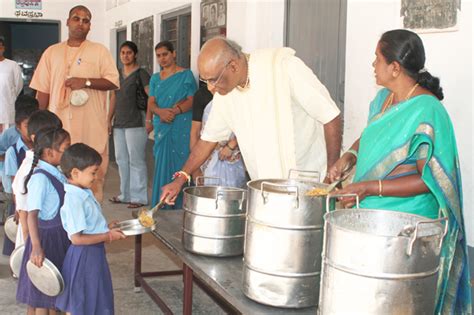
282, 115
11, 84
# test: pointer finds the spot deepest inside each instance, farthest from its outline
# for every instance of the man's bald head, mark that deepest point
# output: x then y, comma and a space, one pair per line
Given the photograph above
219, 50
80, 8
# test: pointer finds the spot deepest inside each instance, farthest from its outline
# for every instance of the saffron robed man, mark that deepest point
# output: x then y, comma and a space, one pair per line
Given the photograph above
281, 114
72, 80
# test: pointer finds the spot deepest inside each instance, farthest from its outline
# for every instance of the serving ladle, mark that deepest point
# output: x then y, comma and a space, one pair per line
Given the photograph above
150, 212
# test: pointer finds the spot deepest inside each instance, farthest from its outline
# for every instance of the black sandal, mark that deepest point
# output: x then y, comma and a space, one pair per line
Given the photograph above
116, 199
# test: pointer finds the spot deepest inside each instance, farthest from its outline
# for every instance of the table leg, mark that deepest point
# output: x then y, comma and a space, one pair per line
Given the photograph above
138, 261
188, 290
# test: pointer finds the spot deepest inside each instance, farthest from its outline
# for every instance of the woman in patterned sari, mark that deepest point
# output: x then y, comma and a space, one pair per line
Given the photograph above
406, 158
170, 102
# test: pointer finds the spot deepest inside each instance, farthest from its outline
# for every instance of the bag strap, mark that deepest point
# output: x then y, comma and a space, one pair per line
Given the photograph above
139, 79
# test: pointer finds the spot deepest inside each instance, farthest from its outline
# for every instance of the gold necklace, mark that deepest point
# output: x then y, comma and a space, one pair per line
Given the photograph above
389, 102
247, 81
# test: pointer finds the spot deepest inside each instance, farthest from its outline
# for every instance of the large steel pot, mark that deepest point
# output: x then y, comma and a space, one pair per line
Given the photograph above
214, 220
284, 234
380, 262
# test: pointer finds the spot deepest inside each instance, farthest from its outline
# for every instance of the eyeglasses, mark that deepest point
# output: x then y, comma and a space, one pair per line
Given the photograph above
214, 82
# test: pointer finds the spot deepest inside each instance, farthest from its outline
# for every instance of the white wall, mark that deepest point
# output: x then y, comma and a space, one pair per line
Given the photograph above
256, 24
59, 10
253, 24
449, 56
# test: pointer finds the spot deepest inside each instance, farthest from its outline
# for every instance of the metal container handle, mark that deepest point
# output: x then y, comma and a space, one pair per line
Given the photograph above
310, 175
220, 193
288, 187
198, 178
331, 196
415, 233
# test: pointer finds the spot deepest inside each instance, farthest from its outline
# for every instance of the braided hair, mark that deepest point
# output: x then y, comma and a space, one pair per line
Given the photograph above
51, 138
406, 48
43, 119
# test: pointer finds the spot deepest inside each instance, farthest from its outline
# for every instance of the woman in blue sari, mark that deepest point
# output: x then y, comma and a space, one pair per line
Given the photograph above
406, 158
170, 103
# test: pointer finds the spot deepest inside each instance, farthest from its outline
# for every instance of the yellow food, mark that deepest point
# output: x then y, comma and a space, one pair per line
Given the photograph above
145, 219
316, 192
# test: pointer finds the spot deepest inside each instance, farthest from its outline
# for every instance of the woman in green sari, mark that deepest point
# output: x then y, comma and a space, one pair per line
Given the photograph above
406, 158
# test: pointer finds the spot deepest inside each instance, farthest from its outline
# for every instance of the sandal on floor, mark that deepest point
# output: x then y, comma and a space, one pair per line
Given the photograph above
116, 199
134, 205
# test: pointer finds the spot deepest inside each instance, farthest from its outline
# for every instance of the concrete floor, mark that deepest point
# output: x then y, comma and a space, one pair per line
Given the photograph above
120, 256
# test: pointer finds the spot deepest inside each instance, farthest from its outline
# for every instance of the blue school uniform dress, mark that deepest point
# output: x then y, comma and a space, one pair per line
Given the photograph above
14, 156
88, 283
46, 193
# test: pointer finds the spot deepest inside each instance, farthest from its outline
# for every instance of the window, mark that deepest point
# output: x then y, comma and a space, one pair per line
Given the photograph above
176, 28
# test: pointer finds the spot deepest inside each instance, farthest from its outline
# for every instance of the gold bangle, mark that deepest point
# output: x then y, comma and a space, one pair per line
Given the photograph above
380, 188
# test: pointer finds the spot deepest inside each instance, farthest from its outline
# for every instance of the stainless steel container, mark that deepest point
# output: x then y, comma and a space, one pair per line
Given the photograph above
283, 244
214, 220
380, 262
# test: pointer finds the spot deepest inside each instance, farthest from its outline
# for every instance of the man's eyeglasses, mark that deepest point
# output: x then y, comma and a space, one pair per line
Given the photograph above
214, 82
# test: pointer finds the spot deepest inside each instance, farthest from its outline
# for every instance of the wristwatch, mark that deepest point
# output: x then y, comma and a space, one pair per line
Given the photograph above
88, 83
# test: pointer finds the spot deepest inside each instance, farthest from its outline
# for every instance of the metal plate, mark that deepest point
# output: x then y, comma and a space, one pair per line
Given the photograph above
47, 279
133, 227
15, 260
11, 228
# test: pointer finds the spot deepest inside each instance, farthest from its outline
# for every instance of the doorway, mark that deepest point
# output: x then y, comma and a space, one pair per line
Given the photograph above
316, 29
121, 37
26, 41
176, 28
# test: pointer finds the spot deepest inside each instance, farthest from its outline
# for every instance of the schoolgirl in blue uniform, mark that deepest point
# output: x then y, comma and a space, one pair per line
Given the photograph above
47, 238
88, 283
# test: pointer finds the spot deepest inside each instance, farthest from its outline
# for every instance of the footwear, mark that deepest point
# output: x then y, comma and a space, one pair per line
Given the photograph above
134, 205
116, 199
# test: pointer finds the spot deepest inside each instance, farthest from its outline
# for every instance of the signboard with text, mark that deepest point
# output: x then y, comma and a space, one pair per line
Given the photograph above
28, 4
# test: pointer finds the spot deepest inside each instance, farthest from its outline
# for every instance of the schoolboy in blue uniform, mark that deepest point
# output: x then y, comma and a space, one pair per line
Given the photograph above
11, 135
88, 283
14, 157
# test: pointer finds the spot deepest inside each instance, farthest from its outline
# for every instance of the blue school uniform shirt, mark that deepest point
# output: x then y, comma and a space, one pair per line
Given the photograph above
6, 180
11, 164
41, 193
8, 138
81, 212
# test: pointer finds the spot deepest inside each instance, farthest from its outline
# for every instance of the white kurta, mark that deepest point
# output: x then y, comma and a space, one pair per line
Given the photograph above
279, 120
11, 84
